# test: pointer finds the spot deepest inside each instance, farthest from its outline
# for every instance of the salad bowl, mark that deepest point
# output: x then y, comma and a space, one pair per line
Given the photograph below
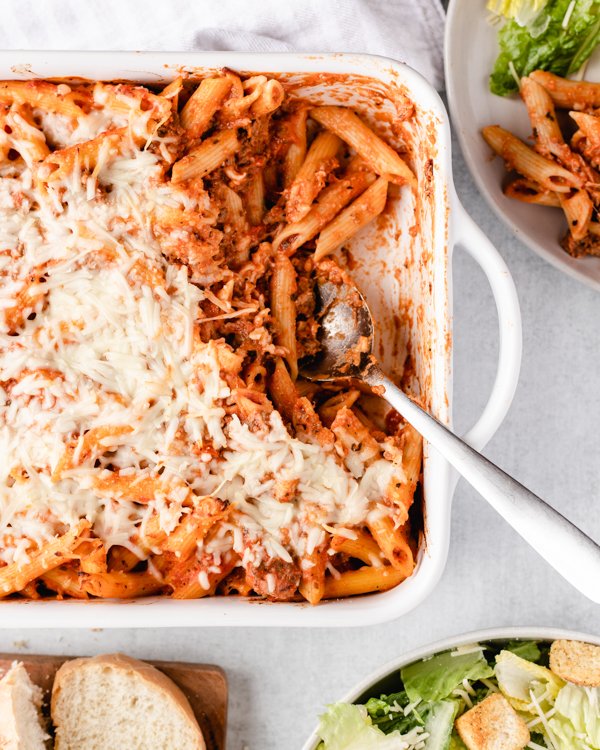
434, 676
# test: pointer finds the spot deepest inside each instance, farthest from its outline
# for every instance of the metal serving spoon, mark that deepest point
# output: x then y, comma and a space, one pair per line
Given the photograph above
346, 338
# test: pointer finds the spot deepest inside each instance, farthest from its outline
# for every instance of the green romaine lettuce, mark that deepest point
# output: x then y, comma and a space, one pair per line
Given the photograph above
439, 724
525, 649
434, 679
569, 36
577, 719
456, 743
348, 727
523, 11
385, 715
518, 678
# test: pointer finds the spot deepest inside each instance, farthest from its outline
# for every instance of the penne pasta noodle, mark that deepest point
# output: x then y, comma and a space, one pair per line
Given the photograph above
363, 548
41, 95
172, 91
199, 579
282, 390
365, 580
202, 105
549, 139
412, 458
528, 191
312, 175
527, 162
393, 544
270, 99
255, 376
121, 558
14, 577
283, 289
587, 139
568, 94
206, 157
59, 164
312, 583
578, 208
328, 205
295, 132
255, 198
256, 97
353, 218
65, 582
330, 408
381, 158
19, 132
588, 124
121, 585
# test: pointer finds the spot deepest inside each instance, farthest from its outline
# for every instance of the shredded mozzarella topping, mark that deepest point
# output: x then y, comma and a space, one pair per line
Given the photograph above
108, 341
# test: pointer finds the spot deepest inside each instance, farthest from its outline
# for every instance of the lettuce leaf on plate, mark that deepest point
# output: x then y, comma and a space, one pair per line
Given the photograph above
560, 38
434, 679
523, 11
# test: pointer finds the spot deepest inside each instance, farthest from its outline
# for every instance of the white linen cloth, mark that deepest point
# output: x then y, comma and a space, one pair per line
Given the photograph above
407, 30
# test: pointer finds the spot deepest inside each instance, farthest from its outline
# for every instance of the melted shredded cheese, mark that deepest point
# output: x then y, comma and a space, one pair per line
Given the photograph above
108, 341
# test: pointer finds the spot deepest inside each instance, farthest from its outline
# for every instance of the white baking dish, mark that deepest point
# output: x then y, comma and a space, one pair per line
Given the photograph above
397, 270
383, 680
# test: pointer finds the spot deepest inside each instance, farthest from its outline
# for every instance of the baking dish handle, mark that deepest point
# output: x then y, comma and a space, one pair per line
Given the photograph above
474, 241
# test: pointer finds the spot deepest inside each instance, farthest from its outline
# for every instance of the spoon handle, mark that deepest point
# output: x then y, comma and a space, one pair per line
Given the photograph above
562, 544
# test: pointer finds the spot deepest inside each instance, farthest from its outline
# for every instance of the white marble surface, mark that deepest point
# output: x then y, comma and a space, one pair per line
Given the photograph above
280, 679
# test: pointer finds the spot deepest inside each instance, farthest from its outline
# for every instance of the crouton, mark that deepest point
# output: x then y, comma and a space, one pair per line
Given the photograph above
576, 662
493, 724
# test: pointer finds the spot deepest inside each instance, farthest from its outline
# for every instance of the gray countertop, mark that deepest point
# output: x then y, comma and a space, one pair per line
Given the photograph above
280, 679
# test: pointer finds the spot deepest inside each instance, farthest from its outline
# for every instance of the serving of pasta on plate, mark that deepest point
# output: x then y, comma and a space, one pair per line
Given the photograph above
562, 168
158, 258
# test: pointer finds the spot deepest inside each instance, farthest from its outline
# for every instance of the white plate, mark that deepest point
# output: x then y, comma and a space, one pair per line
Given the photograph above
470, 51
383, 680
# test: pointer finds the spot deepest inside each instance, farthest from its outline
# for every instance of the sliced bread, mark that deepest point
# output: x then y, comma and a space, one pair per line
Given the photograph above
114, 701
20, 718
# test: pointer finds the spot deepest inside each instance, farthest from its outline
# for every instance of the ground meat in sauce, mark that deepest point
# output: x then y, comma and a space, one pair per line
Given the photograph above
275, 579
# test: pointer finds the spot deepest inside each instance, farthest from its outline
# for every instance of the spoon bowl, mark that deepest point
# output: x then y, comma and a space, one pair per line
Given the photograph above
345, 334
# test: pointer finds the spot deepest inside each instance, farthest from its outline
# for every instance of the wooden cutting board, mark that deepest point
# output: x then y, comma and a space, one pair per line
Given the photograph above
204, 686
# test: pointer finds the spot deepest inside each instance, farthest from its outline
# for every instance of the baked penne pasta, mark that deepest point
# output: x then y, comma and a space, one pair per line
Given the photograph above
328, 205
295, 134
161, 256
556, 173
527, 162
202, 105
312, 175
379, 156
353, 218
363, 548
365, 580
393, 544
283, 289
529, 191
206, 157
568, 94
14, 577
